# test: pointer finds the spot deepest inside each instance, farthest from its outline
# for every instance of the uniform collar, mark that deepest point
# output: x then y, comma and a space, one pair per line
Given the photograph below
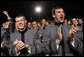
59, 23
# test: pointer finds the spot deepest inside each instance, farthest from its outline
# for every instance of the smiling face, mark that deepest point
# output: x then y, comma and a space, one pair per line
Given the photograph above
20, 23
59, 15
74, 21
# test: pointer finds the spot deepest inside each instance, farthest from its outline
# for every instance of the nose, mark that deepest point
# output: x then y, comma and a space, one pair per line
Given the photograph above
20, 22
61, 14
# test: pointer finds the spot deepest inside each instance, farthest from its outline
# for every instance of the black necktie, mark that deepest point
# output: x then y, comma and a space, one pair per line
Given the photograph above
24, 51
63, 44
22, 37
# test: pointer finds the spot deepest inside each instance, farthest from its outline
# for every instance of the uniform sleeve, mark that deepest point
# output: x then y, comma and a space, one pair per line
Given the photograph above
77, 45
46, 41
11, 27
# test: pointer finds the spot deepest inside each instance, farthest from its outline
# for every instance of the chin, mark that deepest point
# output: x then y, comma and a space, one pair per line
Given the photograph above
61, 21
21, 27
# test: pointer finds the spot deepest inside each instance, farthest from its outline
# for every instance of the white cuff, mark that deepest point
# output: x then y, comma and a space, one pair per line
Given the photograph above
57, 46
72, 42
29, 50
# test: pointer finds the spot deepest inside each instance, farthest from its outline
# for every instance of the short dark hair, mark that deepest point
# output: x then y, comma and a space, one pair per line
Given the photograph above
57, 7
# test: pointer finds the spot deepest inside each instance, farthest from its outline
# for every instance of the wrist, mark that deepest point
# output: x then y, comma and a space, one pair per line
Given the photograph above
58, 41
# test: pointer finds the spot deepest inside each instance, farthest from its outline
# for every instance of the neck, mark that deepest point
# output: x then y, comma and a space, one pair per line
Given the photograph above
36, 28
59, 23
22, 29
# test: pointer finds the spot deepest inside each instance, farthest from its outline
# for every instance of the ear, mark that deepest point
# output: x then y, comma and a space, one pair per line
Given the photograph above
16, 27
25, 21
53, 16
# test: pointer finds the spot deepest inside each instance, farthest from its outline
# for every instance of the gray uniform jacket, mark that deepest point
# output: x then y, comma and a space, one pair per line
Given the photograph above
51, 34
28, 39
31, 37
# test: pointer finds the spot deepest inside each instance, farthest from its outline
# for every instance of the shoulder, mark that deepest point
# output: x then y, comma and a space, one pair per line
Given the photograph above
50, 27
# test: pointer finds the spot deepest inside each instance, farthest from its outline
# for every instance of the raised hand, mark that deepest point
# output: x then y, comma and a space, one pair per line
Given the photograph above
58, 40
6, 13
60, 33
73, 31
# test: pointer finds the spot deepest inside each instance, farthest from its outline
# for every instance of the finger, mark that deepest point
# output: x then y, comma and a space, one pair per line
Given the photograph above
60, 26
19, 47
75, 30
73, 33
59, 29
20, 44
15, 42
27, 46
72, 26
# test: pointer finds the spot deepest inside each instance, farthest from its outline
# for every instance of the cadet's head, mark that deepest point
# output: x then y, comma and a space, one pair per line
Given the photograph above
35, 24
80, 21
58, 14
43, 21
29, 25
20, 22
74, 21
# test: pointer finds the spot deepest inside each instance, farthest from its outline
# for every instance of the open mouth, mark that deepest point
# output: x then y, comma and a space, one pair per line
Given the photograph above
61, 17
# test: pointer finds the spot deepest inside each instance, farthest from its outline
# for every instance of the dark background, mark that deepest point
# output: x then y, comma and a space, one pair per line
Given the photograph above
72, 9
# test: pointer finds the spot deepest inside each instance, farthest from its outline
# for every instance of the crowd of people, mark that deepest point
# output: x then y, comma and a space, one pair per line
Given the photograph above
56, 37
